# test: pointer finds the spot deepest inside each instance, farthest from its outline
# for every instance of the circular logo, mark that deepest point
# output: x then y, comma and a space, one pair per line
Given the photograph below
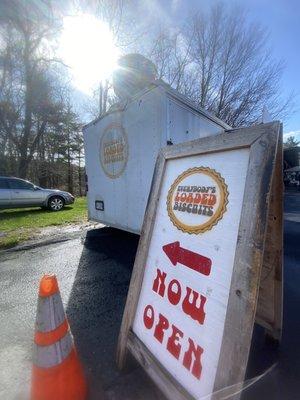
197, 200
114, 150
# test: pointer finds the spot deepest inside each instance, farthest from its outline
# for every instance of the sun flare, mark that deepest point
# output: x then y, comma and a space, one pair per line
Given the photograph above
87, 47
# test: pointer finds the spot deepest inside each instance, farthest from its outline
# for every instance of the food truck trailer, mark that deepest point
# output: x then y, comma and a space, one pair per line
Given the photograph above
122, 145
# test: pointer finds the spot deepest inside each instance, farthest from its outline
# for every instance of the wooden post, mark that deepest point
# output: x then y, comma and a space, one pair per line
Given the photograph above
269, 308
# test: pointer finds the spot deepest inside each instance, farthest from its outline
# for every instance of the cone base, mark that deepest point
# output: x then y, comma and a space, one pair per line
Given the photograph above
62, 382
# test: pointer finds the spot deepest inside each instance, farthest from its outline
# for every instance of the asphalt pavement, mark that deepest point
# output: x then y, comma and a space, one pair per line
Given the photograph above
94, 274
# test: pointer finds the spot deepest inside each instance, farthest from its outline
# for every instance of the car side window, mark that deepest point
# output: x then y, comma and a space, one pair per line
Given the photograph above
4, 184
19, 184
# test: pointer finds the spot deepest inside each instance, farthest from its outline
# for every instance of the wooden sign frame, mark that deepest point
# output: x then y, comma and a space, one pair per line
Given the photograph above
258, 255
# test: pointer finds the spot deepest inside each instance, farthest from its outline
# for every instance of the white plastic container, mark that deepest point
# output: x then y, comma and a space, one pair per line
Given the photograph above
121, 149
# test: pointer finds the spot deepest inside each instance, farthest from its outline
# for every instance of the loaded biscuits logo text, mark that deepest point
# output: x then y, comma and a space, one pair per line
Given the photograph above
113, 150
197, 200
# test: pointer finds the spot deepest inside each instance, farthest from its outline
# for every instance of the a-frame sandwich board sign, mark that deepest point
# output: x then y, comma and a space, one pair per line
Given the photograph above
210, 250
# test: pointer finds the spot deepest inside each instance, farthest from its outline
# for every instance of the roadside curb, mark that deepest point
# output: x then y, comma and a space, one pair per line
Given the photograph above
54, 238
57, 239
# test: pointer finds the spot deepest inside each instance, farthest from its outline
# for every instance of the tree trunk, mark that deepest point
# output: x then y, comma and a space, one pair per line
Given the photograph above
70, 174
79, 172
23, 165
24, 161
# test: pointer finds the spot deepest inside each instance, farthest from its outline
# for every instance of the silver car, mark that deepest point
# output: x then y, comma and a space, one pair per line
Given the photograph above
15, 193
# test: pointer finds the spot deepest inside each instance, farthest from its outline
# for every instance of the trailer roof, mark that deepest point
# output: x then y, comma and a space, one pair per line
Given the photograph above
121, 106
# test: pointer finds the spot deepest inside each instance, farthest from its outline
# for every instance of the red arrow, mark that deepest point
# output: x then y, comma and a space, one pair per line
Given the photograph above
188, 258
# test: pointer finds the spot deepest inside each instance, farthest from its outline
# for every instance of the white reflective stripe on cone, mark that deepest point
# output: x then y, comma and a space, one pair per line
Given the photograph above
50, 313
49, 356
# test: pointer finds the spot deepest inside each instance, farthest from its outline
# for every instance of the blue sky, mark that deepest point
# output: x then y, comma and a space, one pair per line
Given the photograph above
282, 19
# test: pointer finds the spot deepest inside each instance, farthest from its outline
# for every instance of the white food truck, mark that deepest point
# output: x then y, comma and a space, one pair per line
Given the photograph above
121, 148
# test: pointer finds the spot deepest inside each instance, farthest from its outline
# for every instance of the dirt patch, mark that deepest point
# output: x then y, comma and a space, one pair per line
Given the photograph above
50, 231
59, 233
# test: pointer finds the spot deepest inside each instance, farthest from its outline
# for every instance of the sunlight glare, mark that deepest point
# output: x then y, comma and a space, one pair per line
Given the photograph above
87, 47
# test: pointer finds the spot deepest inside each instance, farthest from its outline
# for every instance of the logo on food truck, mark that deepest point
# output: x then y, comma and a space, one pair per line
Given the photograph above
114, 150
197, 200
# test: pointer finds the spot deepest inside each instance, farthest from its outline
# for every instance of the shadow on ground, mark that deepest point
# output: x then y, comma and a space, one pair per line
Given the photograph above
95, 311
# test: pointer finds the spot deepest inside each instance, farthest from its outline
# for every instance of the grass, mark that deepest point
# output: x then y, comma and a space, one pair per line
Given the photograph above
21, 224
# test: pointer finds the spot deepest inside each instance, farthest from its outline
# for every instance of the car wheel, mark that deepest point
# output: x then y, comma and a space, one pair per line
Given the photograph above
56, 203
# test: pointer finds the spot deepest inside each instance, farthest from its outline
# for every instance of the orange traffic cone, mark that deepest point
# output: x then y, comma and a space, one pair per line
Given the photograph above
56, 372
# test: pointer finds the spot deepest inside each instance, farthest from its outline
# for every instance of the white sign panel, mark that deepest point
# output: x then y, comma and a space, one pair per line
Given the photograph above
182, 305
